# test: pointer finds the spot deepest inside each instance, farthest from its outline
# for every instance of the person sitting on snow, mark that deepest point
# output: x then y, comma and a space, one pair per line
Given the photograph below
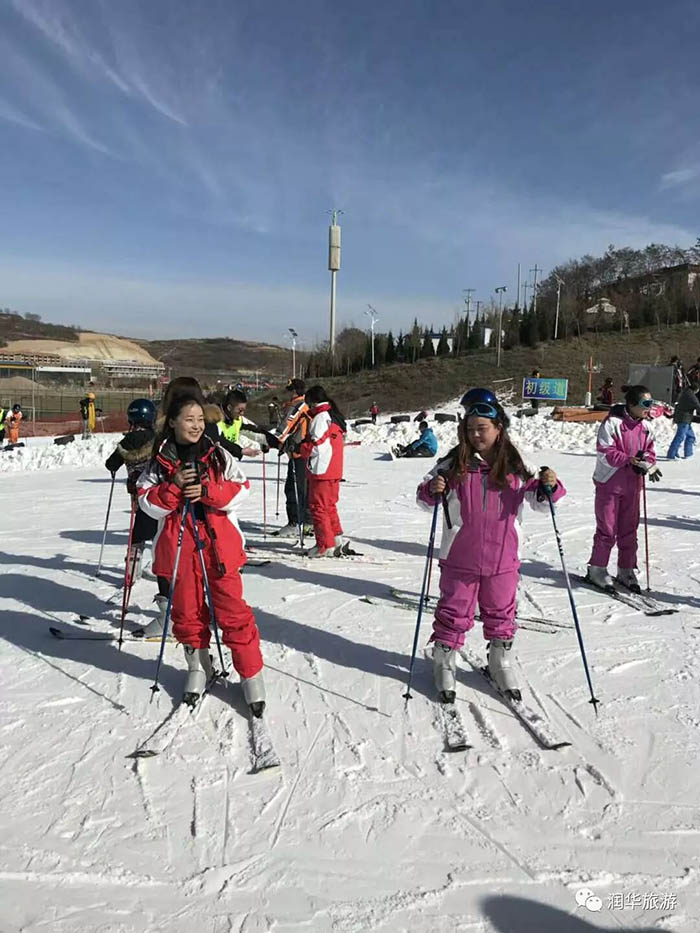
425, 446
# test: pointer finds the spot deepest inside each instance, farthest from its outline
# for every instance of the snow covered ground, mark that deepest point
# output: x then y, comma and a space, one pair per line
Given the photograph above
369, 825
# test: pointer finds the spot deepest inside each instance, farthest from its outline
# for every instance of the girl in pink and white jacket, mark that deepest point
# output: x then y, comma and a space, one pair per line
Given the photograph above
323, 452
625, 453
484, 484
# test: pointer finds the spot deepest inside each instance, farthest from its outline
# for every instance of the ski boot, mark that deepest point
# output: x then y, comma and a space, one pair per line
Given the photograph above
316, 551
254, 693
287, 531
500, 669
155, 627
445, 672
339, 545
627, 577
199, 673
134, 556
599, 576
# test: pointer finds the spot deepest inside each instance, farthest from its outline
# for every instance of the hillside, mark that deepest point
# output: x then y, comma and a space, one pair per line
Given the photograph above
15, 326
220, 355
427, 383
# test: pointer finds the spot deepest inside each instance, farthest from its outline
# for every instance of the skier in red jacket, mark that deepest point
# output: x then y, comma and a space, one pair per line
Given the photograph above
323, 452
188, 467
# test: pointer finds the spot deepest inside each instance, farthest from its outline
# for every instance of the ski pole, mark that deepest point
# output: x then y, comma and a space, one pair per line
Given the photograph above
199, 544
279, 467
264, 472
104, 533
646, 529
300, 517
128, 572
548, 492
155, 688
423, 597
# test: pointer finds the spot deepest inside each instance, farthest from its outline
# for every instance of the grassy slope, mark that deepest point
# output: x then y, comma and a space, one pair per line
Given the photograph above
15, 327
427, 383
219, 355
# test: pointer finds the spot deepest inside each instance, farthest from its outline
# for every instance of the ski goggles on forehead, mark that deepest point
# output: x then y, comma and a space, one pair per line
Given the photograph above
482, 410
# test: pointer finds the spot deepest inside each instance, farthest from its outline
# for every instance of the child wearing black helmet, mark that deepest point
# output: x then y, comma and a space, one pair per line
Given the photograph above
134, 452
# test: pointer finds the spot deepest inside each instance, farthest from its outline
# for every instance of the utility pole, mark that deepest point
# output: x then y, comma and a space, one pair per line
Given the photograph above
534, 288
517, 293
468, 300
560, 282
478, 308
333, 266
499, 291
373, 317
526, 285
294, 351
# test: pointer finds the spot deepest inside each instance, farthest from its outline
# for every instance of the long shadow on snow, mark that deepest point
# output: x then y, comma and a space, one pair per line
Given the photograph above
337, 649
403, 547
61, 562
94, 536
31, 633
119, 482
509, 914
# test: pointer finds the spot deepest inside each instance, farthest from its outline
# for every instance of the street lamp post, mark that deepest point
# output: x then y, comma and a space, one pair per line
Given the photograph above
560, 282
294, 351
333, 266
499, 291
373, 317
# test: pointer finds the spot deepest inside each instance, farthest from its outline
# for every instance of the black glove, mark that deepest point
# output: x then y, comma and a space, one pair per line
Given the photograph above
265, 449
131, 486
654, 474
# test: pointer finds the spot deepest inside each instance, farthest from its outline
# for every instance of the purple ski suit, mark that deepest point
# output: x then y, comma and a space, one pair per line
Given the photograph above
479, 559
617, 487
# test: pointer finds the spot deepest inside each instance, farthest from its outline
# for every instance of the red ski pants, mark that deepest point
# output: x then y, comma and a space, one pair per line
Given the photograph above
460, 592
190, 612
323, 499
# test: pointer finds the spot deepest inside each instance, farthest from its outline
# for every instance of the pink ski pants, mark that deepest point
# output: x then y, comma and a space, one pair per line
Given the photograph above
616, 520
460, 591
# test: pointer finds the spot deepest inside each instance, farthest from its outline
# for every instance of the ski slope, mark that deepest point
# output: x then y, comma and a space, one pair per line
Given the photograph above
369, 824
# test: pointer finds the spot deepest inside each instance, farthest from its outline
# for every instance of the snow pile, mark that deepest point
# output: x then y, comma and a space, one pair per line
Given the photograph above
40, 455
537, 432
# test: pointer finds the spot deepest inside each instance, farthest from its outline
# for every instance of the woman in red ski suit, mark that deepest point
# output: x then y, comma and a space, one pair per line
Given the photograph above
323, 452
188, 465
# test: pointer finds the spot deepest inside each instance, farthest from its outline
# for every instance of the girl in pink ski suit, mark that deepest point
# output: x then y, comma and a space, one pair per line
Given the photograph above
485, 487
625, 452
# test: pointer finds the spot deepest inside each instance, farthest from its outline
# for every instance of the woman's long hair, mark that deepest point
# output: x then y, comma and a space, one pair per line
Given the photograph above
506, 461
216, 459
317, 394
182, 386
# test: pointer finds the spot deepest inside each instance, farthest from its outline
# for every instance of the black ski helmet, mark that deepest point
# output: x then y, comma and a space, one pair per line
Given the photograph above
477, 396
141, 413
17, 407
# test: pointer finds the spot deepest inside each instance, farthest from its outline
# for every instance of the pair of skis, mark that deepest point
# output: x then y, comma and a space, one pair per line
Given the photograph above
263, 751
456, 736
264, 756
642, 602
402, 599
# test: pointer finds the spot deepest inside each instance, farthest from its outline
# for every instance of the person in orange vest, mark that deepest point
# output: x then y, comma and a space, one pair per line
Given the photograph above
12, 422
294, 430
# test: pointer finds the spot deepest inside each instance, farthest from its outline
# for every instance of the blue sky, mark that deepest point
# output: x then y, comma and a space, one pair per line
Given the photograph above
167, 165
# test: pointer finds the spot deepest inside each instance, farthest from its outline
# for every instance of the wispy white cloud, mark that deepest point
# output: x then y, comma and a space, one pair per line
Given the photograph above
55, 23
680, 177
13, 115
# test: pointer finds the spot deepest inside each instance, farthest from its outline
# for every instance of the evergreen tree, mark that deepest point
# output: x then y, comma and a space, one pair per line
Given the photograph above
427, 351
475, 340
400, 349
390, 353
443, 348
